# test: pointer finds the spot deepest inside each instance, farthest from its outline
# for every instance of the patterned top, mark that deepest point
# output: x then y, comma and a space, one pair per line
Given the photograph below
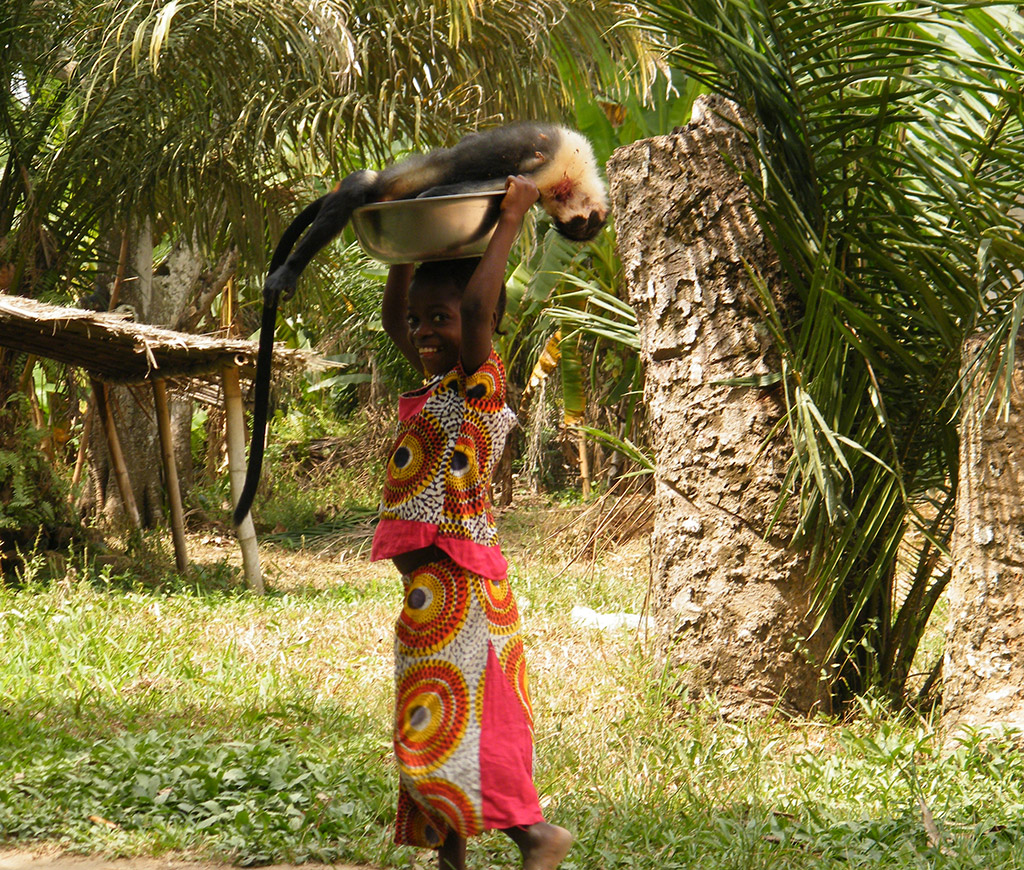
437, 487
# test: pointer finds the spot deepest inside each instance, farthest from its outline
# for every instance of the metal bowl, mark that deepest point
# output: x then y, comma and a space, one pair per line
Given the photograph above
431, 228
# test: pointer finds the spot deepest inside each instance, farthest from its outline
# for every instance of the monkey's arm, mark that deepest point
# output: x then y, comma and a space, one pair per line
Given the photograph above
480, 299
394, 311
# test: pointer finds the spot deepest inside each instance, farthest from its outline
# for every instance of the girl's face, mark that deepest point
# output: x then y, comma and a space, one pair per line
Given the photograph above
435, 325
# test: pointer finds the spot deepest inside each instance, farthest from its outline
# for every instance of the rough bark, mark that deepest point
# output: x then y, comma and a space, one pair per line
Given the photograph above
730, 598
983, 667
159, 300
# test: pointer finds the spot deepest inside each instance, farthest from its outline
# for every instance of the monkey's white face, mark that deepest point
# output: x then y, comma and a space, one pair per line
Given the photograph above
571, 189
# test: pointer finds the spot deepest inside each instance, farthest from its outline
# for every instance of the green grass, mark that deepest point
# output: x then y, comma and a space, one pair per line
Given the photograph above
141, 716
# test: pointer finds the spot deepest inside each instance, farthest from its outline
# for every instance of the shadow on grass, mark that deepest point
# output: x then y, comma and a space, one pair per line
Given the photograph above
280, 789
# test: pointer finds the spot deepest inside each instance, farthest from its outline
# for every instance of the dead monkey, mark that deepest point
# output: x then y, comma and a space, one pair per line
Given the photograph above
559, 160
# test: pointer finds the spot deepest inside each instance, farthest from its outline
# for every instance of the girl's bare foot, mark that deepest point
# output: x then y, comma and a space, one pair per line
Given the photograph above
543, 845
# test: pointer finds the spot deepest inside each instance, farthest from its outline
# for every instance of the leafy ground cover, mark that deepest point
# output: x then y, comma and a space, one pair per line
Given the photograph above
141, 714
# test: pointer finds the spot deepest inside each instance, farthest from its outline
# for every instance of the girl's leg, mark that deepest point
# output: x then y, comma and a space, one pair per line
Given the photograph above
452, 853
543, 845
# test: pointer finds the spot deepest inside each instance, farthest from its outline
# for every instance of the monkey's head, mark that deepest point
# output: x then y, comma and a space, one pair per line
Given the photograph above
572, 190
580, 228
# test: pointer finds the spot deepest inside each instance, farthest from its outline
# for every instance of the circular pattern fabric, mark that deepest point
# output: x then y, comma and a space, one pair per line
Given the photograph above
441, 730
439, 472
499, 604
432, 707
434, 610
414, 825
472, 452
414, 460
483, 386
450, 801
513, 663
449, 381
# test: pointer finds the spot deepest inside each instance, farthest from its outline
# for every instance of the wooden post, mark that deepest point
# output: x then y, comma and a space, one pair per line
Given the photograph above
163, 420
581, 443
90, 412
235, 426
124, 485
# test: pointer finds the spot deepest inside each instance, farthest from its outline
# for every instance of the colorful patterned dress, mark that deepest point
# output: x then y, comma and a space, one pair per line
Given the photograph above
463, 730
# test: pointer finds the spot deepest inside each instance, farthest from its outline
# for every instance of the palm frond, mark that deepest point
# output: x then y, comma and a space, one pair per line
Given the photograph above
216, 116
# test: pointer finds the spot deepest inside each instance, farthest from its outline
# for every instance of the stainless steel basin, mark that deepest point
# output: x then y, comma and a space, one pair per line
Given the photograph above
431, 228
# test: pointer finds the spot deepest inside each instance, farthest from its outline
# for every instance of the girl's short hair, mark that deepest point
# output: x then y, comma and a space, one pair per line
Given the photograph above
457, 273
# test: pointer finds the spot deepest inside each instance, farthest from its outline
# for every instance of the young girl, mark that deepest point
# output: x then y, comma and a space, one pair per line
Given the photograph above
463, 731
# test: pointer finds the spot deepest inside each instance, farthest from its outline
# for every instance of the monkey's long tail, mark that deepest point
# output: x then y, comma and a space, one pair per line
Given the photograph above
261, 407
293, 232
325, 218
265, 359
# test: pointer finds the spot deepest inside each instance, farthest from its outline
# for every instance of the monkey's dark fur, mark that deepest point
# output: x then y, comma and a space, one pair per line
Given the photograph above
560, 161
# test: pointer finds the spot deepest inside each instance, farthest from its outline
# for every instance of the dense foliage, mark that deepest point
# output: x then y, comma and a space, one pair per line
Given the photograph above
212, 115
209, 123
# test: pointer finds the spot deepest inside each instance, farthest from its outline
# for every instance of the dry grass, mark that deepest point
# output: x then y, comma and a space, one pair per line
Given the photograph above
344, 634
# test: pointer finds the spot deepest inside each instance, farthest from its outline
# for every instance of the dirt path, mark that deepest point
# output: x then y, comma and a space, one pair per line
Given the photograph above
16, 859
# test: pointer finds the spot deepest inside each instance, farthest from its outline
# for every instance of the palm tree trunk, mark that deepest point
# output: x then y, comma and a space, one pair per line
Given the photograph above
730, 596
984, 657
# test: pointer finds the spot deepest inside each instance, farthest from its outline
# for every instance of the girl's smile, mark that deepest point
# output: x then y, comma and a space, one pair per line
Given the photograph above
435, 328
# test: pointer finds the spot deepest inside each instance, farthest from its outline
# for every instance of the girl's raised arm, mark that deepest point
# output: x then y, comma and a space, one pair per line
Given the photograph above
394, 311
480, 299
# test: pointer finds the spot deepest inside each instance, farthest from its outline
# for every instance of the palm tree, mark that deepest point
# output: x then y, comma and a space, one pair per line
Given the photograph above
889, 140
204, 123
167, 106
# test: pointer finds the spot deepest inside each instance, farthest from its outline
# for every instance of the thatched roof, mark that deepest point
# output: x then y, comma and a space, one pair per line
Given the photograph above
115, 349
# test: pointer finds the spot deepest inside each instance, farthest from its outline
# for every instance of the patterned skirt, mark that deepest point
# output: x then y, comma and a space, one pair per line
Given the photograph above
463, 731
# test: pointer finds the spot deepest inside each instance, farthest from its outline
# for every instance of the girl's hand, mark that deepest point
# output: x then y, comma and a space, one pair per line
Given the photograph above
479, 305
520, 194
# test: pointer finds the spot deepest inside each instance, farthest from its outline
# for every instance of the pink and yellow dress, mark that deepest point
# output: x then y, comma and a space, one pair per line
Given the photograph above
463, 731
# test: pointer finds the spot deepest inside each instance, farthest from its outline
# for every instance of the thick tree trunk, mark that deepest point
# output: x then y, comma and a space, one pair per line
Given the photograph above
983, 668
731, 599
150, 299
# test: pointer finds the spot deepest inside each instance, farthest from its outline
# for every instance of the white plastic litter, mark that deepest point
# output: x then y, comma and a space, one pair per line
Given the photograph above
606, 621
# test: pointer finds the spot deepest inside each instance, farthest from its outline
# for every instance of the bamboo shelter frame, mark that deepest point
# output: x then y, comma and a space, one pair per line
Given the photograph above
116, 350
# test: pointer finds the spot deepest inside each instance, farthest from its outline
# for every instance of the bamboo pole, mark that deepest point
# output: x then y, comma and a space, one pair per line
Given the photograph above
90, 411
163, 420
122, 267
124, 485
235, 426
